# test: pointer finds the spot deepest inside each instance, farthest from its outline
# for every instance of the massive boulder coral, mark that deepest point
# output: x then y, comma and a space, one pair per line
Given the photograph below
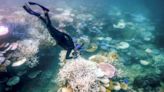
108, 69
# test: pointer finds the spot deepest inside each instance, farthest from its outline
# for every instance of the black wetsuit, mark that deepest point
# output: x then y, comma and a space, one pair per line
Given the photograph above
62, 39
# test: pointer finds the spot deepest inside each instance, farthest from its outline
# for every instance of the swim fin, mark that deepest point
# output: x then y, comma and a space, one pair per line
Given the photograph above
27, 9
44, 8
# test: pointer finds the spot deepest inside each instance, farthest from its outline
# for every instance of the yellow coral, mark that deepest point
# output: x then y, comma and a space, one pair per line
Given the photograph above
162, 87
93, 47
111, 85
67, 89
112, 56
124, 86
107, 90
98, 58
2, 68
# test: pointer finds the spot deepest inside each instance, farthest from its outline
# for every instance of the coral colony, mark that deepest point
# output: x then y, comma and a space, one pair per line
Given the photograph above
118, 55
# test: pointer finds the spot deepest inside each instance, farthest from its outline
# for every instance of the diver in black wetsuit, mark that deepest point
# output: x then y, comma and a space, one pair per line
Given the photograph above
62, 39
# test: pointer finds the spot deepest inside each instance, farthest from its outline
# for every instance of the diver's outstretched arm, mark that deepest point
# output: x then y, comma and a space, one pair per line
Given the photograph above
68, 54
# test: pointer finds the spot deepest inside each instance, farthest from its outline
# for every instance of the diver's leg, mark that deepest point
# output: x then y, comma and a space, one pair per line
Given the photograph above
47, 18
46, 10
68, 54
44, 20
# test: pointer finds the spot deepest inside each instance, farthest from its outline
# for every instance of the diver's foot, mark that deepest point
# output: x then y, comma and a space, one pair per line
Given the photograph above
44, 8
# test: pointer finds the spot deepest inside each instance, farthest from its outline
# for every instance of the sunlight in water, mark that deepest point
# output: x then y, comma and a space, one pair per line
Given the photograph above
3, 30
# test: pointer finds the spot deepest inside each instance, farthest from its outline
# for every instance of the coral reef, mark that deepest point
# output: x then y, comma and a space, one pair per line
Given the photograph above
119, 38
19, 62
98, 58
108, 69
80, 74
5, 61
147, 82
85, 76
28, 47
32, 62
92, 48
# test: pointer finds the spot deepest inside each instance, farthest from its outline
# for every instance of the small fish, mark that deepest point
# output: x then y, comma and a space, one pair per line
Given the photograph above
126, 81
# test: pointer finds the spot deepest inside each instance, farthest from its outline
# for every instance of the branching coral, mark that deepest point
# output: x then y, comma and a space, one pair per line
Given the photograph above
65, 16
28, 47
26, 51
80, 74
38, 31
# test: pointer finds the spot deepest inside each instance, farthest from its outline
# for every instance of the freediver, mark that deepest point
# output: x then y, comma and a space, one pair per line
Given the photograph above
62, 39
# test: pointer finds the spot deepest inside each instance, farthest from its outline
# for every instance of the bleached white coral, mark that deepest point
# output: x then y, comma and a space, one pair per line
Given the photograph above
80, 74
38, 31
18, 17
28, 47
66, 15
32, 62
62, 55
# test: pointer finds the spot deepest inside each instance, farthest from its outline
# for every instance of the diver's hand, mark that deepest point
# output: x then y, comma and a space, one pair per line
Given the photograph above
75, 54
